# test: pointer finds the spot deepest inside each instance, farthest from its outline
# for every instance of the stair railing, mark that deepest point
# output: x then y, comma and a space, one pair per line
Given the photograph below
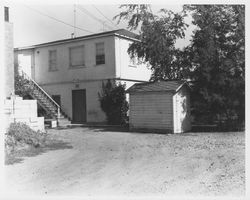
24, 75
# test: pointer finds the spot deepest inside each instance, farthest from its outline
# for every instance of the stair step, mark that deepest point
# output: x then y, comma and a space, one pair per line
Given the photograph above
63, 119
63, 122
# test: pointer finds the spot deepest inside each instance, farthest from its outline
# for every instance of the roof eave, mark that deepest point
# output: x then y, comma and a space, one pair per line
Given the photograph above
185, 83
75, 40
126, 37
63, 41
134, 91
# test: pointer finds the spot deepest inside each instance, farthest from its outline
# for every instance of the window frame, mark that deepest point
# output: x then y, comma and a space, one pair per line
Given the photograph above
51, 69
70, 57
103, 60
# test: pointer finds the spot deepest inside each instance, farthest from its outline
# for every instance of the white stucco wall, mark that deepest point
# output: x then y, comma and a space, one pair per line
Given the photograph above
18, 110
117, 62
24, 60
94, 112
125, 68
66, 74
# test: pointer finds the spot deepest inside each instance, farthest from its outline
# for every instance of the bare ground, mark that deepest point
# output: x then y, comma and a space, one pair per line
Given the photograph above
95, 162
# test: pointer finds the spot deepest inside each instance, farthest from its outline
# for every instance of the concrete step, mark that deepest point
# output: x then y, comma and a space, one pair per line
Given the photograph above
63, 122
50, 123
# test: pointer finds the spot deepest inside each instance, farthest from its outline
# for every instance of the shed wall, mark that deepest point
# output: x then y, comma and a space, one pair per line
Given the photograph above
181, 107
151, 110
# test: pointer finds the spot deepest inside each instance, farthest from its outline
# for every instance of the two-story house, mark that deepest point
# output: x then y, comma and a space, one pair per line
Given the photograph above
71, 71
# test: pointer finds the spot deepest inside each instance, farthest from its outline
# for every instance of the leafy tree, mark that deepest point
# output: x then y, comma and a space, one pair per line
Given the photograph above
113, 102
217, 53
157, 37
214, 61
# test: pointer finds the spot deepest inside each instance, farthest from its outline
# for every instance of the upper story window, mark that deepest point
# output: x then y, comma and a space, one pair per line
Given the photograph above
100, 54
52, 60
76, 56
132, 62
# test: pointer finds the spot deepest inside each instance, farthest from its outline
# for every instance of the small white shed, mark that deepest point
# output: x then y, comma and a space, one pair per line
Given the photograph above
160, 106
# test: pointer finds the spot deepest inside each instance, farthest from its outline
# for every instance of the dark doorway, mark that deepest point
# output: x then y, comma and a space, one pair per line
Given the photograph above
79, 106
57, 99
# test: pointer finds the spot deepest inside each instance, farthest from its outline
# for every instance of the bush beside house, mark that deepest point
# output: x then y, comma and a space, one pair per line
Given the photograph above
113, 102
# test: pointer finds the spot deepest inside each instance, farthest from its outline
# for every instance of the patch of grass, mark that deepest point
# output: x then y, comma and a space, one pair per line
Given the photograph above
19, 154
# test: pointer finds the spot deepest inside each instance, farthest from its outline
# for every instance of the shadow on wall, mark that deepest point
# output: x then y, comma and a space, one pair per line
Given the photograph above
18, 156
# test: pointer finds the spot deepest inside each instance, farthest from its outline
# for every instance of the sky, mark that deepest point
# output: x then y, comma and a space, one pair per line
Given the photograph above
44, 22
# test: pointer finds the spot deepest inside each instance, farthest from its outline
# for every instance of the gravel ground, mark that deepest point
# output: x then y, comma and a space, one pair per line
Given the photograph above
95, 162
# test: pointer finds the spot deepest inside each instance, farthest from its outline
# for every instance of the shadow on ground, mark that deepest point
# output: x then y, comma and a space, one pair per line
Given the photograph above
109, 129
117, 128
126, 129
51, 145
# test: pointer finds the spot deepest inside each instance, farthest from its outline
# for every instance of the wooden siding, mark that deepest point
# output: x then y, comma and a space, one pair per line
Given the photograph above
151, 110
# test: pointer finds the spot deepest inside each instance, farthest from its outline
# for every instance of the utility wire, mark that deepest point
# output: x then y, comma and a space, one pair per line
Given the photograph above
105, 16
58, 20
92, 16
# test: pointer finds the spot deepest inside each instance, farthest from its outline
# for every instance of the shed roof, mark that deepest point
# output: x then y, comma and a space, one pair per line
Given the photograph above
173, 86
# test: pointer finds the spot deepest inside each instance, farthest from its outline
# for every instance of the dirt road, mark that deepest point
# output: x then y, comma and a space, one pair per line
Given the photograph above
84, 161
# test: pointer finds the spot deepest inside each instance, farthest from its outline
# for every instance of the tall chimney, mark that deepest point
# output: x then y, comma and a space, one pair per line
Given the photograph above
6, 14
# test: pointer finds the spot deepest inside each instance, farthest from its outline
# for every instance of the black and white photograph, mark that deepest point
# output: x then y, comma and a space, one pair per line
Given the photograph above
123, 100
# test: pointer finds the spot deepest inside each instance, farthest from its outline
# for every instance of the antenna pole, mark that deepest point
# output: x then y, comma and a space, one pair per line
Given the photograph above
74, 20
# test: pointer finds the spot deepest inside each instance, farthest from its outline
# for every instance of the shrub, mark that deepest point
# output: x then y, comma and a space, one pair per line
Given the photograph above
21, 133
113, 102
10, 144
22, 87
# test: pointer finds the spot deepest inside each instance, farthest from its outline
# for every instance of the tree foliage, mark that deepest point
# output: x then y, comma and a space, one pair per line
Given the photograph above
217, 53
214, 61
113, 102
157, 37
22, 86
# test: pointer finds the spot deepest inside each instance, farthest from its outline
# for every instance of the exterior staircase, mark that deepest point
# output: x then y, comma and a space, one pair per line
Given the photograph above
46, 102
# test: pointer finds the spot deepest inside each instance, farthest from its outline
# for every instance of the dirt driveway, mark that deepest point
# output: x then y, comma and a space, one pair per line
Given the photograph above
85, 161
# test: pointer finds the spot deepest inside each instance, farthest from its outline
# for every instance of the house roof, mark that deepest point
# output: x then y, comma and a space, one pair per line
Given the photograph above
173, 86
119, 32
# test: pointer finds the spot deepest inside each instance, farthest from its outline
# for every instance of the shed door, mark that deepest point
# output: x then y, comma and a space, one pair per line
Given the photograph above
79, 106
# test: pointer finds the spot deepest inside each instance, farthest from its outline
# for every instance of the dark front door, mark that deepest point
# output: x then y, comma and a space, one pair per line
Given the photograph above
79, 106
